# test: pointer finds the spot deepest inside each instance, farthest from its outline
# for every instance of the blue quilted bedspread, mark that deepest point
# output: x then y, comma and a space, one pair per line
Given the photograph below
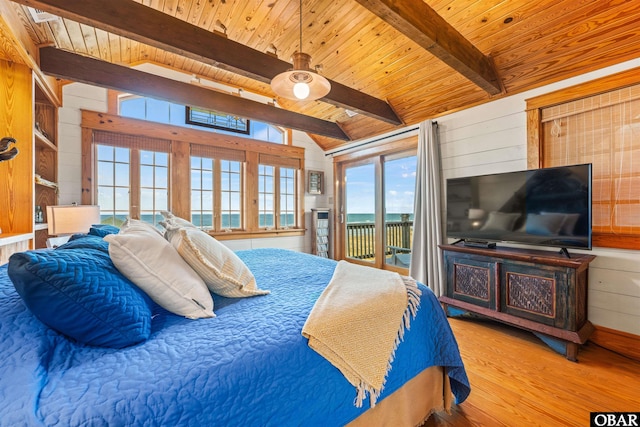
249, 366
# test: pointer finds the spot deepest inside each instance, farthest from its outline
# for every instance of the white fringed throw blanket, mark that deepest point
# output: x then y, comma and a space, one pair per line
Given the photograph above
358, 322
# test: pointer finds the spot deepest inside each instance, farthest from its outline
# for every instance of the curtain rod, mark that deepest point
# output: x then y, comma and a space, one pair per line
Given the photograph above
382, 138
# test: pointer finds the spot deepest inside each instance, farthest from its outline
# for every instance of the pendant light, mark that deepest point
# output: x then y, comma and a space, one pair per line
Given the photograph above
300, 83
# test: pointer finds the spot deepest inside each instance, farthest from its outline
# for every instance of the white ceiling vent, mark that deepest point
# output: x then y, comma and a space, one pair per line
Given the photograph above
41, 16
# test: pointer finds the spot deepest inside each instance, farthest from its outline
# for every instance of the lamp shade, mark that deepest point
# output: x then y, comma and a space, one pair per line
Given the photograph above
300, 83
69, 219
476, 213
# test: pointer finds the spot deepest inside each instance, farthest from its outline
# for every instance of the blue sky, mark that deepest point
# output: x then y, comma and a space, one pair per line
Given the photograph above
400, 175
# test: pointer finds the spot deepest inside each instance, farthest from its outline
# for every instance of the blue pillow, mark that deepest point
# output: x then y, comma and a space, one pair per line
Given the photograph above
81, 294
85, 241
102, 230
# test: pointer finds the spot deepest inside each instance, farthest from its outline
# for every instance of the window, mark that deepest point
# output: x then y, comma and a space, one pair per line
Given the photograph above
154, 185
277, 190
231, 195
216, 120
132, 177
276, 183
144, 108
266, 192
113, 168
214, 181
287, 197
205, 172
202, 196
603, 130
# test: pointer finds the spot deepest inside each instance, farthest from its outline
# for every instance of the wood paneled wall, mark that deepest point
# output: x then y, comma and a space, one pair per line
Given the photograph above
16, 175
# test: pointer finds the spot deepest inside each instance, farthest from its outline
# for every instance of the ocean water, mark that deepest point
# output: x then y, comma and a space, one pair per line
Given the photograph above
206, 221
233, 221
369, 217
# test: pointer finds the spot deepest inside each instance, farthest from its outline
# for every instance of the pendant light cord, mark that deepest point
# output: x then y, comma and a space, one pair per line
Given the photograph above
300, 47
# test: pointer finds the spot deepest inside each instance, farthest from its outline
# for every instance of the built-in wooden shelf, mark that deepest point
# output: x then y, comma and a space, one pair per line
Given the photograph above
40, 226
45, 125
43, 141
48, 185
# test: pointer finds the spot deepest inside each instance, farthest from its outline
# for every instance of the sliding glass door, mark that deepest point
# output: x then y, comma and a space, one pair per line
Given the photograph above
399, 187
375, 209
360, 215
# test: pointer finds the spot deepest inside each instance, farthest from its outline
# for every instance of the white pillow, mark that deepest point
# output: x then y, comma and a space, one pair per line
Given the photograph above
171, 219
149, 261
221, 269
544, 224
136, 223
500, 221
568, 223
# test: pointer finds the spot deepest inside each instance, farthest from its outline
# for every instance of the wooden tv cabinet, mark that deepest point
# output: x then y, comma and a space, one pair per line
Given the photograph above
541, 291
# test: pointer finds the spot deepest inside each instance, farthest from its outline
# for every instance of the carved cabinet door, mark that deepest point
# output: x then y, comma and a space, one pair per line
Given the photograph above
472, 280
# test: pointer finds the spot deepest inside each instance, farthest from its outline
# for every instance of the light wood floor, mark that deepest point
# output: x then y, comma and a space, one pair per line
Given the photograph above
516, 380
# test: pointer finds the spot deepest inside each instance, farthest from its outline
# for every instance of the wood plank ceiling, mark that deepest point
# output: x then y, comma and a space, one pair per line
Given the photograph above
366, 46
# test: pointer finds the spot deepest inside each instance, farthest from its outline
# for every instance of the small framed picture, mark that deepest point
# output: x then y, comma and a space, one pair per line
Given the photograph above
315, 182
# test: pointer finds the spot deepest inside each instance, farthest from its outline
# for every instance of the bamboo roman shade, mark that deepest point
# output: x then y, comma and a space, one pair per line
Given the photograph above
287, 162
603, 130
215, 152
128, 141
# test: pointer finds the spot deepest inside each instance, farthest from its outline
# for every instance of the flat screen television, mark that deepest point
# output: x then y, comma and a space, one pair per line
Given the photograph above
543, 207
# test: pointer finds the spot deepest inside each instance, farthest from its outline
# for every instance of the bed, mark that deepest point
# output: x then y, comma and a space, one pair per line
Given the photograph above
249, 365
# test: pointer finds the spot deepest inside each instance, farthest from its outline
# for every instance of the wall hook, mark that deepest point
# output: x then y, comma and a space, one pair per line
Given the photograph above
5, 152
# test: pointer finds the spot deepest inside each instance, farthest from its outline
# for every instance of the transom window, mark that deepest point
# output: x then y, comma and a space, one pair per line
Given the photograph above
216, 120
145, 108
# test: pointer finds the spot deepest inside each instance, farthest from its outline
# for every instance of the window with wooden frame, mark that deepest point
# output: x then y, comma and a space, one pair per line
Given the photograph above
113, 166
202, 192
217, 187
161, 111
278, 185
132, 176
602, 129
213, 180
217, 120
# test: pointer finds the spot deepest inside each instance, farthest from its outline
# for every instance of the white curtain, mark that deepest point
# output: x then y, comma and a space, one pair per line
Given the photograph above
426, 258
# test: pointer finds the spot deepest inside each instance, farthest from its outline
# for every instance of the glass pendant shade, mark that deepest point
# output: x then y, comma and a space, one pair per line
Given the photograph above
300, 83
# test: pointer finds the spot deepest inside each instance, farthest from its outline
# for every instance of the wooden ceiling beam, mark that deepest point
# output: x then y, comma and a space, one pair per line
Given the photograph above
71, 66
416, 20
144, 24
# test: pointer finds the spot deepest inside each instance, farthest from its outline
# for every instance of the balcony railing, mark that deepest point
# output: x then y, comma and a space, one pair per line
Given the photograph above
361, 239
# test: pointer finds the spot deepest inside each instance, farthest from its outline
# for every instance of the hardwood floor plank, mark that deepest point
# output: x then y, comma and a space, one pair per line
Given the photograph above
517, 380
